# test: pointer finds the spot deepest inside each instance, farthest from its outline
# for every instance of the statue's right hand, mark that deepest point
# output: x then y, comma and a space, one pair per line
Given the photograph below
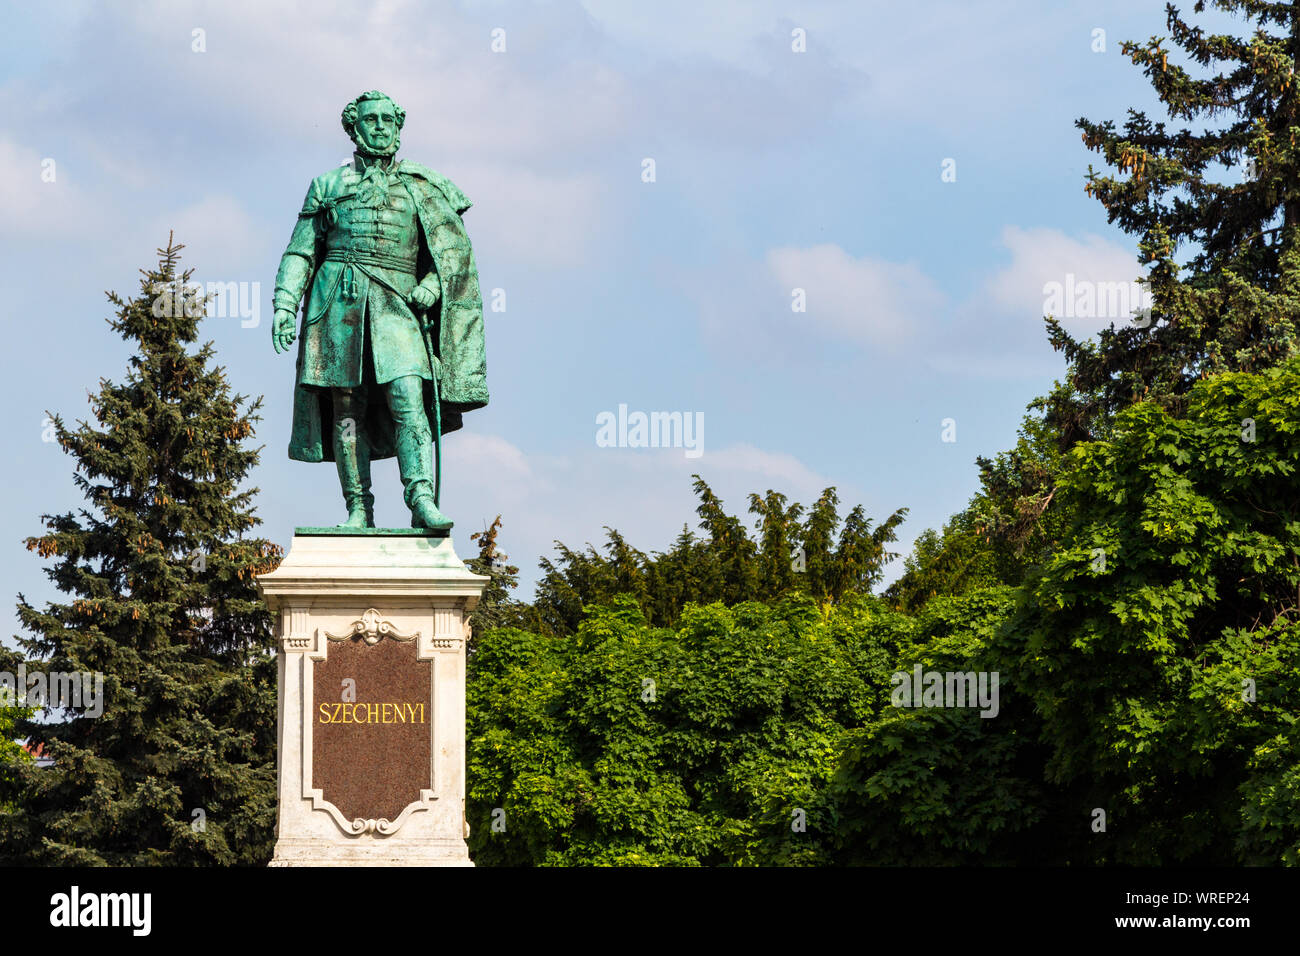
283, 330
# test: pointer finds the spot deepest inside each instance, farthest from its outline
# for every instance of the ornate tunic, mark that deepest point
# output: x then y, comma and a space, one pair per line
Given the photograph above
363, 284
356, 250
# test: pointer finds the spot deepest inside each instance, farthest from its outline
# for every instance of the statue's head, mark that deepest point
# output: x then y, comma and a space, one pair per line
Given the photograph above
374, 123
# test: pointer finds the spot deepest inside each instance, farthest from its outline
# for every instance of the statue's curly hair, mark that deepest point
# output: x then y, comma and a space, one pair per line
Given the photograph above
350, 111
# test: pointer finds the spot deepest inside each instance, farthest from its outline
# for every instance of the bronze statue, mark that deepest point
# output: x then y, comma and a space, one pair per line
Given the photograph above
391, 352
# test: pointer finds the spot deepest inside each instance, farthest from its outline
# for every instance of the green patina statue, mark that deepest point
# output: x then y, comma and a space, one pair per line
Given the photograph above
391, 353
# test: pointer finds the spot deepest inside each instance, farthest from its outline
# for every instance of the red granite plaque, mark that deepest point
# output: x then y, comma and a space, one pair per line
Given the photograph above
372, 756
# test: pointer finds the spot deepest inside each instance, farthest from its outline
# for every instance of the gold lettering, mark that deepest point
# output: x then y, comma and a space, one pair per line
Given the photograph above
386, 712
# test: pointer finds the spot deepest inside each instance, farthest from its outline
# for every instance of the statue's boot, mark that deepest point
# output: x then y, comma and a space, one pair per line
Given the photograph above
415, 463
352, 457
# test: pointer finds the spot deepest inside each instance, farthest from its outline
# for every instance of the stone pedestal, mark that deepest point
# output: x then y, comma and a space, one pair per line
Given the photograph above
372, 633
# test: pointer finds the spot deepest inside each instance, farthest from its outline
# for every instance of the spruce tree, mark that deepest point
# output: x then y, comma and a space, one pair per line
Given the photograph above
1214, 201
496, 608
157, 572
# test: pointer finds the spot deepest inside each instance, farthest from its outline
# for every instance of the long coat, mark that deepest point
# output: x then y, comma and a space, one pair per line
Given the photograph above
453, 337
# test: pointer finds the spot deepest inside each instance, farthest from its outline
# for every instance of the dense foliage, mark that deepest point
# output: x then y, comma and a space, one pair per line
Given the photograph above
708, 743
1159, 646
1150, 669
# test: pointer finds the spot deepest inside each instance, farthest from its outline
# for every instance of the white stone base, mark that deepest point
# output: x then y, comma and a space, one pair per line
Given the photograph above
371, 587
372, 852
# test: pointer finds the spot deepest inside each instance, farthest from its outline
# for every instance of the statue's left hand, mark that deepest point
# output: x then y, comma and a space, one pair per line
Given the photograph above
423, 298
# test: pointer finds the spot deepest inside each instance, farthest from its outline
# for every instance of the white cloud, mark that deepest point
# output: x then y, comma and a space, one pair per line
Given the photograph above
865, 299
995, 329
1042, 255
38, 209
461, 98
488, 455
942, 68
676, 28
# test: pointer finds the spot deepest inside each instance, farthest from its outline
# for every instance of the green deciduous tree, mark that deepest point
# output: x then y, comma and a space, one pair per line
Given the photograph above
709, 743
942, 786
1174, 598
1149, 668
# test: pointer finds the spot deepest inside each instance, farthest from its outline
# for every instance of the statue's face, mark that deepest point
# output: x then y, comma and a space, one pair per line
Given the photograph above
376, 124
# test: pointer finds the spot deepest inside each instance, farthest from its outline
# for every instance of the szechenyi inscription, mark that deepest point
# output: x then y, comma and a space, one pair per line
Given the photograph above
372, 723
388, 712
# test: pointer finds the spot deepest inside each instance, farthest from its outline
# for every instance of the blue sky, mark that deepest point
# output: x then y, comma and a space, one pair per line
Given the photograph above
774, 170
